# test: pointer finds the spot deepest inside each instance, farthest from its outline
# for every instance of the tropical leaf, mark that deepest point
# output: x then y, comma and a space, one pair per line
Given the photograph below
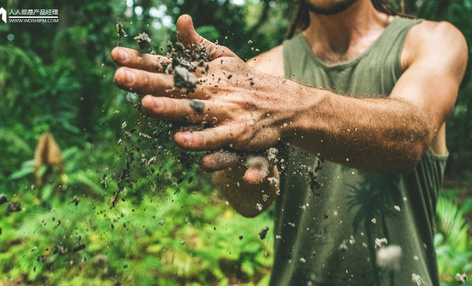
11, 138
453, 224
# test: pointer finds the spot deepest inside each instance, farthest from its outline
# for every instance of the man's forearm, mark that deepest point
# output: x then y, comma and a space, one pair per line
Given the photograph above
381, 134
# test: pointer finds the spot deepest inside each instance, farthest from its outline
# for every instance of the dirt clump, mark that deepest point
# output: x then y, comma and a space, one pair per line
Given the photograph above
415, 278
143, 40
461, 278
3, 199
263, 232
75, 200
186, 60
13, 207
121, 32
183, 78
389, 257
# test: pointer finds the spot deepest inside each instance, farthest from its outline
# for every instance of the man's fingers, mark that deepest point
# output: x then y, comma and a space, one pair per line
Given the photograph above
188, 37
159, 84
254, 176
176, 109
219, 160
258, 170
258, 167
207, 139
186, 32
134, 59
143, 82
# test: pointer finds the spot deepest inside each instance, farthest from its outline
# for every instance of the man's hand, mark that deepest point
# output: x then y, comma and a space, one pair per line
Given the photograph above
232, 99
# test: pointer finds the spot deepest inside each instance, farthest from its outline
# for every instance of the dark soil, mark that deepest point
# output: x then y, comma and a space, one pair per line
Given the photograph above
186, 60
197, 106
3, 199
183, 78
143, 41
75, 200
263, 233
14, 207
121, 32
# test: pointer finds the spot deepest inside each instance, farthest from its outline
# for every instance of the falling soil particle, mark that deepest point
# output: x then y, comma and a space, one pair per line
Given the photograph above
415, 278
380, 243
272, 155
343, 246
389, 257
3, 199
121, 32
273, 181
75, 200
184, 79
183, 59
263, 232
461, 278
13, 207
61, 250
79, 248
259, 207
143, 41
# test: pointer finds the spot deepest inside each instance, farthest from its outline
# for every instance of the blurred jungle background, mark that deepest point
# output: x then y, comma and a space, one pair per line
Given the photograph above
94, 193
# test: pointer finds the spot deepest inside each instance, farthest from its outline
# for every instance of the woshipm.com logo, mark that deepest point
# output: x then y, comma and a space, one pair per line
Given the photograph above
3, 14
29, 15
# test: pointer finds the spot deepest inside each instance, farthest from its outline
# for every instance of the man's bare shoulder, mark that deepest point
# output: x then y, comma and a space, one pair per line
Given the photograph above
434, 38
270, 62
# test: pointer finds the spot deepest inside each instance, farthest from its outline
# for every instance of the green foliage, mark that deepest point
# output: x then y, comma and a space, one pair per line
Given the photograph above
452, 242
183, 236
8, 137
166, 225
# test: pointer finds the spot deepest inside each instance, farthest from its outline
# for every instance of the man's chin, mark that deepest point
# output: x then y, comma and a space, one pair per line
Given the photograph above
328, 11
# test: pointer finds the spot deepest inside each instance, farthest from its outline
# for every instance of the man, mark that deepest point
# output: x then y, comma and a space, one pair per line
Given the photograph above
359, 123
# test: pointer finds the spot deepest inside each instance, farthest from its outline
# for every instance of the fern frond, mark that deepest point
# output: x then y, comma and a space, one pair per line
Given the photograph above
9, 137
452, 223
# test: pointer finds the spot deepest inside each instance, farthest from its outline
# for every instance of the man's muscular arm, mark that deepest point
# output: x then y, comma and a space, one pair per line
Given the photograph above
388, 134
384, 134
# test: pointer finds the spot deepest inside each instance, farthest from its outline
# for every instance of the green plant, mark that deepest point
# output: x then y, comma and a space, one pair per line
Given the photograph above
183, 237
452, 242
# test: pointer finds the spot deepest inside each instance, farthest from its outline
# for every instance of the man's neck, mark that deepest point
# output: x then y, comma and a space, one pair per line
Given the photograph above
346, 35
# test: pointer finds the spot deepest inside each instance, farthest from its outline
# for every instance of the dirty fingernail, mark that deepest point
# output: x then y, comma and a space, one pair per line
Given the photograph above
129, 77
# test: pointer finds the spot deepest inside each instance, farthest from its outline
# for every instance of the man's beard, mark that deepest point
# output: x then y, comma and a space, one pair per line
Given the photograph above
335, 9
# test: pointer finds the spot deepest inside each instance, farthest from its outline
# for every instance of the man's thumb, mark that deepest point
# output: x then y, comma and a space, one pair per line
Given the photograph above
188, 36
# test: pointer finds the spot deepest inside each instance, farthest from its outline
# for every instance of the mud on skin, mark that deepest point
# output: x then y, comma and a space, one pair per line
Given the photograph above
182, 64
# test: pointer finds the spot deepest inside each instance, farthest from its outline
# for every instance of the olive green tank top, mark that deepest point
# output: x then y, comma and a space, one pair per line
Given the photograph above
336, 225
